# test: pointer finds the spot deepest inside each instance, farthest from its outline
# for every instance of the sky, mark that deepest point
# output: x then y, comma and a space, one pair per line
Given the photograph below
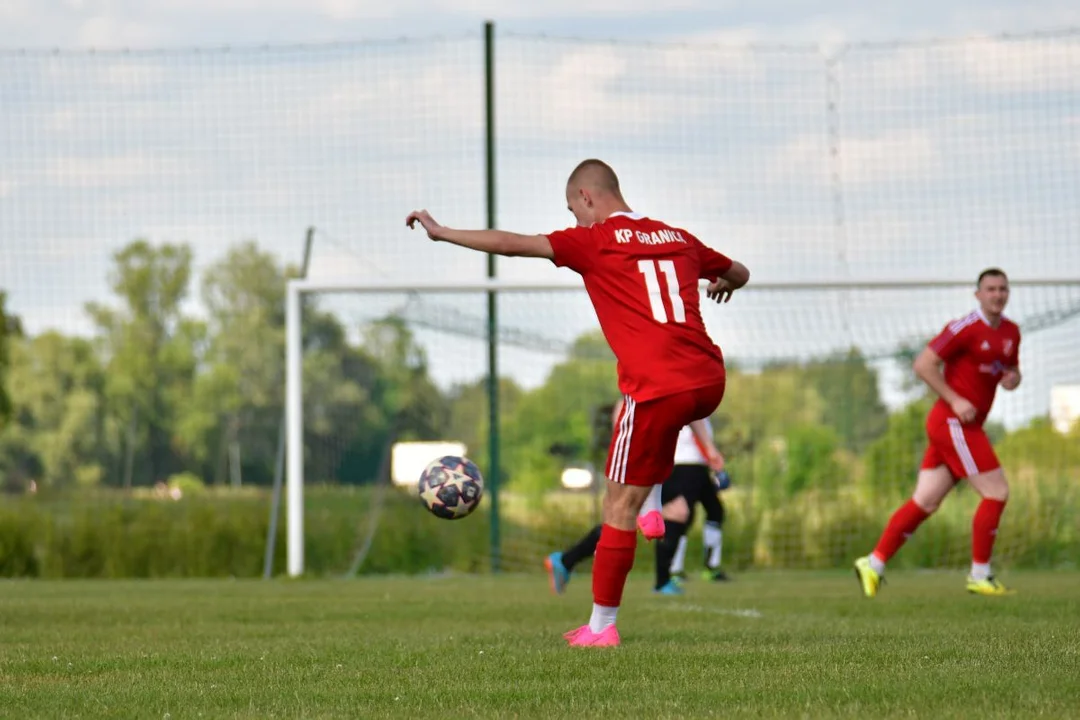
817, 142
154, 23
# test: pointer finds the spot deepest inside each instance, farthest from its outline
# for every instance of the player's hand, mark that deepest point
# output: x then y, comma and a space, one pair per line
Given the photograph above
434, 229
1010, 379
716, 462
719, 290
963, 409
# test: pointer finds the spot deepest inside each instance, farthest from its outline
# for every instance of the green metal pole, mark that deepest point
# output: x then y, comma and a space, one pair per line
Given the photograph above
492, 316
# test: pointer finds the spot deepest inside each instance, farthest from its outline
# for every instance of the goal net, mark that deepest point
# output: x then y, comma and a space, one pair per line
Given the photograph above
823, 440
153, 202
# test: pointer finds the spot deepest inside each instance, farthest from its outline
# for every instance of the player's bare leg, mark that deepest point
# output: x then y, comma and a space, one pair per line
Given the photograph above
612, 563
994, 489
622, 503
930, 489
676, 510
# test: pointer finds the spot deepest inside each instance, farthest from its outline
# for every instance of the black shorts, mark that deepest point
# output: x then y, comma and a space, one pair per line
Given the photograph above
694, 483
689, 482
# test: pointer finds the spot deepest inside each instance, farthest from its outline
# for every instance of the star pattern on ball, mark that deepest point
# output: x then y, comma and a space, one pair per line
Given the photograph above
430, 495
461, 508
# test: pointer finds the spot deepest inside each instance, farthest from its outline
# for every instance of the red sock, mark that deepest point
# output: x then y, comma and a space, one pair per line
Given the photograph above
984, 529
611, 564
901, 525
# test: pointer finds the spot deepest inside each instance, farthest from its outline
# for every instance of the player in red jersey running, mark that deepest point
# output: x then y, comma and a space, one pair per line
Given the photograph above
980, 351
642, 278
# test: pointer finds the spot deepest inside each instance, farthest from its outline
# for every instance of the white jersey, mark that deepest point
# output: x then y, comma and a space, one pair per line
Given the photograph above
687, 450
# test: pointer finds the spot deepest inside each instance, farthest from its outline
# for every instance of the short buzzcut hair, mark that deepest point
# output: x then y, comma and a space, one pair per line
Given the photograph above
990, 272
597, 173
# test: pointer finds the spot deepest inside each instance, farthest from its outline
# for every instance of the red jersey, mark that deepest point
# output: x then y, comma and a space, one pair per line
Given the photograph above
975, 356
642, 277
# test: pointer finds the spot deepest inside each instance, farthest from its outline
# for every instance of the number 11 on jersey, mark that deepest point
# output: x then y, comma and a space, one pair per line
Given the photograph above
652, 285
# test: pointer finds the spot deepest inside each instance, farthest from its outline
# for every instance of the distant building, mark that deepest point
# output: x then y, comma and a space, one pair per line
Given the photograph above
1064, 406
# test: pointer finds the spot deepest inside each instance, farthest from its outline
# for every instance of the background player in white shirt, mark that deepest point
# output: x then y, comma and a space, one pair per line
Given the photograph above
700, 466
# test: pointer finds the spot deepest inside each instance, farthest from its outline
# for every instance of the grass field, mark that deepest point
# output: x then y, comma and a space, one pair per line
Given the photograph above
766, 645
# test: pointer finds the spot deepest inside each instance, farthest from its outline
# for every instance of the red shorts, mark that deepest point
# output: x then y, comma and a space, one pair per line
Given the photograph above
964, 449
642, 448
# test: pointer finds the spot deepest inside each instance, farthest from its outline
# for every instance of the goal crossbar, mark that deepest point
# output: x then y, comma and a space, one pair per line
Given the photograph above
497, 285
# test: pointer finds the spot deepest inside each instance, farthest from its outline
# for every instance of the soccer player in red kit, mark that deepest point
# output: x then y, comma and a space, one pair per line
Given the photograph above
642, 278
979, 351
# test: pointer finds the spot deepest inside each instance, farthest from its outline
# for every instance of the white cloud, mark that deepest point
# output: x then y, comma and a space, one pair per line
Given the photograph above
76, 171
14, 11
736, 39
879, 75
105, 31
353, 9
56, 23
132, 76
892, 156
331, 9
1036, 65
528, 9
573, 90
565, 96
803, 159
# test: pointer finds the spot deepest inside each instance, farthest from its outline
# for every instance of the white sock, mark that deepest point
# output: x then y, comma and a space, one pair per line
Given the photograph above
877, 563
980, 571
714, 543
602, 617
679, 561
652, 502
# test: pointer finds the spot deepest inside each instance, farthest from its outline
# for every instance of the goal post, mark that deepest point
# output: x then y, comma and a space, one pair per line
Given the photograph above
781, 511
294, 380
294, 431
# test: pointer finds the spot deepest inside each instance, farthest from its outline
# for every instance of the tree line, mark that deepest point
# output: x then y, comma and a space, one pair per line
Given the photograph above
156, 393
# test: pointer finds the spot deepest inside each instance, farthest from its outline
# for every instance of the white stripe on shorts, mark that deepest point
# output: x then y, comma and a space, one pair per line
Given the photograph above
622, 441
956, 430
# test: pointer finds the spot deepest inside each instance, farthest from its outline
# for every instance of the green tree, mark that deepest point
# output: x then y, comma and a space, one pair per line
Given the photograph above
7, 329
892, 461
810, 461
239, 393
403, 387
469, 413
359, 399
559, 414
852, 405
60, 434
1040, 447
150, 350
759, 408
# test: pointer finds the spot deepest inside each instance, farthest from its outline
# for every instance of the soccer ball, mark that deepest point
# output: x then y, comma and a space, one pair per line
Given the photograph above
451, 487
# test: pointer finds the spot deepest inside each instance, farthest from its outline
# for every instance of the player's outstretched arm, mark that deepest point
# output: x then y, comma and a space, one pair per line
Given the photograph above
928, 367
497, 242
